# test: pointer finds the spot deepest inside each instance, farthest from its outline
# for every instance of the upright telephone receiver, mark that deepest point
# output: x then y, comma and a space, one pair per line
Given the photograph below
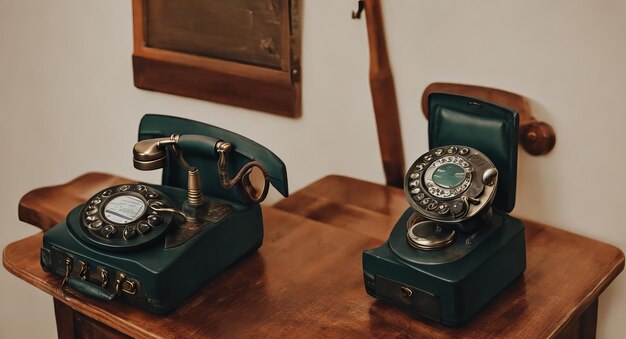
155, 245
451, 253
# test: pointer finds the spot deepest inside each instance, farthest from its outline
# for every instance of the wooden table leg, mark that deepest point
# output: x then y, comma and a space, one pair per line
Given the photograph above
584, 327
65, 320
588, 321
72, 324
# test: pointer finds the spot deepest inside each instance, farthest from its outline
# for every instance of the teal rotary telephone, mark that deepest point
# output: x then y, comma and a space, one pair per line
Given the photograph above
455, 248
155, 245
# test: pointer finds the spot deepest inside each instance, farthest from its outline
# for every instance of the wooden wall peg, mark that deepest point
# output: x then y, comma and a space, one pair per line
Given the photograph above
384, 96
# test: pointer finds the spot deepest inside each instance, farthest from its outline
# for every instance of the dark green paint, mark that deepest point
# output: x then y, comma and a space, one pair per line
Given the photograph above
453, 284
169, 276
489, 128
463, 278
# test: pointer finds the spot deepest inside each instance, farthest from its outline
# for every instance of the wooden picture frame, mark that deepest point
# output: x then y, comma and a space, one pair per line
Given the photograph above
242, 76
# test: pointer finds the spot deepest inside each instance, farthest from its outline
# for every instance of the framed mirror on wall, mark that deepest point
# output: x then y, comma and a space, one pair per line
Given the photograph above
238, 52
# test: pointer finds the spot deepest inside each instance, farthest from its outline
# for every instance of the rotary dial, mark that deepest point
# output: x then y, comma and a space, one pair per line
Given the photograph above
451, 183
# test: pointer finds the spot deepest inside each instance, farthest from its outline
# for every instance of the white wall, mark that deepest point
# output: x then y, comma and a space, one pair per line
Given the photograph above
68, 106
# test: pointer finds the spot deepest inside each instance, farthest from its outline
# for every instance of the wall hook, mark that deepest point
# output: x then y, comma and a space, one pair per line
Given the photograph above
357, 14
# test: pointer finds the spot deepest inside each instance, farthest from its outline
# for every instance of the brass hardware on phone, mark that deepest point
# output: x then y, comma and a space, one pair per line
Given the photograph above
150, 154
406, 292
68, 270
104, 277
194, 188
121, 277
84, 268
122, 284
223, 150
142, 238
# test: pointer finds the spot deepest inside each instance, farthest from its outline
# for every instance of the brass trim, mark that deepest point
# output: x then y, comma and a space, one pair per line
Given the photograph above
156, 208
148, 165
68, 270
152, 149
194, 187
223, 150
104, 277
131, 288
121, 277
84, 269
123, 284
406, 292
443, 236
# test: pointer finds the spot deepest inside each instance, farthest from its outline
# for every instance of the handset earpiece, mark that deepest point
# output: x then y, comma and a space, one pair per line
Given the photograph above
150, 154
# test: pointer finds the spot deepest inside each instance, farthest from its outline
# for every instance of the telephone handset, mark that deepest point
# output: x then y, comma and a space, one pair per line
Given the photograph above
151, 154
155, 245
452, 187
129, 216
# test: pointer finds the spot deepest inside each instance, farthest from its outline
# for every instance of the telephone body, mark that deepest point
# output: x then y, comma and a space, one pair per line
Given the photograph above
155, 245
455, 248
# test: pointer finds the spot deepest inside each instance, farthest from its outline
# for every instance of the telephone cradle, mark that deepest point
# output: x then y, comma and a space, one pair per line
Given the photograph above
452, 252
154, 246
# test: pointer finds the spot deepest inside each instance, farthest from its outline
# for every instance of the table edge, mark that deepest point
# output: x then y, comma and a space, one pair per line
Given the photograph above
82, 306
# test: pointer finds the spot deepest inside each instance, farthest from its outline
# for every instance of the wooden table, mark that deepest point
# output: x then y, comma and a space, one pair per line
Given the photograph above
307, 280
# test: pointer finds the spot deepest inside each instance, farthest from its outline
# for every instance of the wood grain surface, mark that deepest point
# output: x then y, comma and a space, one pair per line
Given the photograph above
47, 206
238, 30
260, 72
306, 279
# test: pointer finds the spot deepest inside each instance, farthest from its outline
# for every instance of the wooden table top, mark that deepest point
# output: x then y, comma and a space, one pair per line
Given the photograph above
306, 280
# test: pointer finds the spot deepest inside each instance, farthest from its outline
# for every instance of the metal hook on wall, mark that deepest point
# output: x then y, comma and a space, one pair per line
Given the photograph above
357, 14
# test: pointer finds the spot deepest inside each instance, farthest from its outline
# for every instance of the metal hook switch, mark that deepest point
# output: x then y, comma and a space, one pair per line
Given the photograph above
357, 14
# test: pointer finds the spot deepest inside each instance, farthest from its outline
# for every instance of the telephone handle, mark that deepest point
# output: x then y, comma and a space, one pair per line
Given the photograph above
82, 285
89, 289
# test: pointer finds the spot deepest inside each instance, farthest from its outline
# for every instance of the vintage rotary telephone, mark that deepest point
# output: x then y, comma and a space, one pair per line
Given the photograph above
451, 252
154, 245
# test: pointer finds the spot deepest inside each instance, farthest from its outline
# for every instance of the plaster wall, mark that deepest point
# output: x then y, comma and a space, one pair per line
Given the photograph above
68, 106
